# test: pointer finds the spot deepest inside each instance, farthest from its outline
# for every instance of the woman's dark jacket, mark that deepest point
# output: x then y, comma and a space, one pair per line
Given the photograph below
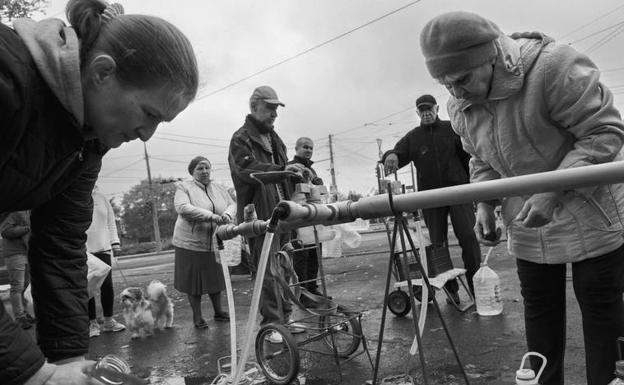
46, 166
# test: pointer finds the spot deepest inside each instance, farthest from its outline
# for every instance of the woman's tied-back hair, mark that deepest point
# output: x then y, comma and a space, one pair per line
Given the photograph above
149, 52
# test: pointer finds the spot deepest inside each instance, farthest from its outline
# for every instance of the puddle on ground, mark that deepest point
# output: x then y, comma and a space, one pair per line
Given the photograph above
207, 381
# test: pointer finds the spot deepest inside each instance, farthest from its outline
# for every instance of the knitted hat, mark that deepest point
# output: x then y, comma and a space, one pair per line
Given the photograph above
457, 41
195, 161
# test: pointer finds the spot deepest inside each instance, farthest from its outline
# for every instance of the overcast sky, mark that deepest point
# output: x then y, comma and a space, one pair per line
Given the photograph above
360, 87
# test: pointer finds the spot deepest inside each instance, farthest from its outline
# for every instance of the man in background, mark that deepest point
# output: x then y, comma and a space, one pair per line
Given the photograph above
440, 161
305, 262
256, 147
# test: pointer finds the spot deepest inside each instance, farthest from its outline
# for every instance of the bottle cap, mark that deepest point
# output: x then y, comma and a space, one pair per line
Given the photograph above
525, 374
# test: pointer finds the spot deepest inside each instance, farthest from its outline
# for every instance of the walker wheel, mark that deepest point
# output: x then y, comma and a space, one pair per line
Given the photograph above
344, 332
279, 361
399, 303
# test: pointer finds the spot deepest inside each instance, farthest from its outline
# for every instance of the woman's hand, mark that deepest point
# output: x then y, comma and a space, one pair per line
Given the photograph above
538, 209
226, 219
485, 227
74, 373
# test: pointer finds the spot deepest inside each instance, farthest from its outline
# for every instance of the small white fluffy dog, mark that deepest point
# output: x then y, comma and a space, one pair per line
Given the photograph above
143, 314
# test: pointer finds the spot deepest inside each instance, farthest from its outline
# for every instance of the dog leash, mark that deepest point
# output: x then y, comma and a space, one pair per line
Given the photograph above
120, 269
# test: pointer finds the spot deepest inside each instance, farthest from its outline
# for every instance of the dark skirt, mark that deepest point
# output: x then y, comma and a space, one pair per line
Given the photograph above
197, 272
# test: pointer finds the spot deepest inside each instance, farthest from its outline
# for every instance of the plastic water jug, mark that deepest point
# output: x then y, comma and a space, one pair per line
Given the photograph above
619, 365
487, 291
619, 373
525, 376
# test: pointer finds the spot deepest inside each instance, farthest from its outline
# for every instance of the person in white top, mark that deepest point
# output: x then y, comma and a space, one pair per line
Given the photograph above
103, 242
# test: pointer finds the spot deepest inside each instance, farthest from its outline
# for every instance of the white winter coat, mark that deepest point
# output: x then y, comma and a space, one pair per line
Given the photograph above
198, 207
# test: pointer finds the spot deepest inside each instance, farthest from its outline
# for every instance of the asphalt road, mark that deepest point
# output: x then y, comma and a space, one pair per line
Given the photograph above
489, 348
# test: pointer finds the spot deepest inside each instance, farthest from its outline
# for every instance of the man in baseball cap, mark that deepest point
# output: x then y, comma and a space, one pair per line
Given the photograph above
440, 161
267, 95
524, 104
256, 147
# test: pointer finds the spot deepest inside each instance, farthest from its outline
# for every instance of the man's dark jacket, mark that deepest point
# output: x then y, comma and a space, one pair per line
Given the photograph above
46, 166
247, 155
437, 153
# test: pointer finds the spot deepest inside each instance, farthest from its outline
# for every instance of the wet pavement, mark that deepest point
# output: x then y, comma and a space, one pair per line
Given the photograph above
490, 348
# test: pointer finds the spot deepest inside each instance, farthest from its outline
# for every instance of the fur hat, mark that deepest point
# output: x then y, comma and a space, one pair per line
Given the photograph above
195, 161
457, 41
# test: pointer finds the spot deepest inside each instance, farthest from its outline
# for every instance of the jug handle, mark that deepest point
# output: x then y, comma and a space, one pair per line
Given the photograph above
526, 355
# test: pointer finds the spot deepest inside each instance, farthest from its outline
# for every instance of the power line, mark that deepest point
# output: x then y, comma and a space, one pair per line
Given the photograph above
344, 148
606, 39
189, 142
193, 137
612, 26
122, 168
307, 50
592, 22
378, 120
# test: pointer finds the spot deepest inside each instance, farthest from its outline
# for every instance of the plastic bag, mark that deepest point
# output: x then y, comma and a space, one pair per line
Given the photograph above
231, 253
333, 248
96, 274
306, 234
350, 237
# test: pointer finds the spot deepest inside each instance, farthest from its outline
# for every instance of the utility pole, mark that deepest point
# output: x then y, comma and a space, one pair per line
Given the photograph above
333, 189
153, 202
379, 170
413, 179
379, 140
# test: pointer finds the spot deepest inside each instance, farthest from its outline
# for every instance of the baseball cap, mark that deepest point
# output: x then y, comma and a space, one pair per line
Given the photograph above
266, 94
427, 100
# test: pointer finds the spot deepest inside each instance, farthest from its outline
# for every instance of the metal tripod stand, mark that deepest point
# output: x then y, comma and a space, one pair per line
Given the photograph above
400, 228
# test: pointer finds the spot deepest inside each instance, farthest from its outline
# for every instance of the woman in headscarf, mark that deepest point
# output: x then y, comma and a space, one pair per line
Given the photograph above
201, 205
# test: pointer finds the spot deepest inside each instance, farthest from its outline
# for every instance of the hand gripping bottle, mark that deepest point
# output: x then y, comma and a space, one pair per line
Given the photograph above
619, 373
487, 290
527, 376
114, 370
619, 365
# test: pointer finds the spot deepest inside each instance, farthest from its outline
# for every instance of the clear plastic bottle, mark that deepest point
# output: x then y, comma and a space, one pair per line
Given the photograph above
619, 373
487, 291
111, 369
